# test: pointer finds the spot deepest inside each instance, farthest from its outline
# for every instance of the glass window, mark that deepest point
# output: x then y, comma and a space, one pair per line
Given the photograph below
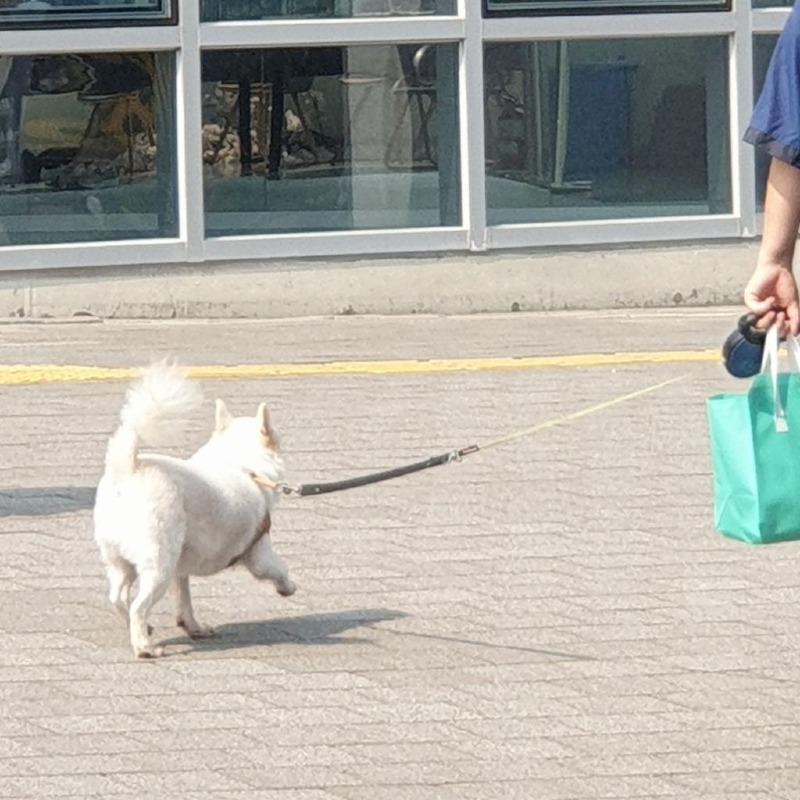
772, 3
540, 7
330, 138
83, 13
222, 10
762, 53
86, 148
606, 129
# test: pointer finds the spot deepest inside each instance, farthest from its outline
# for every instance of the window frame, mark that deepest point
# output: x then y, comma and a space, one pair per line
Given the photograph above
471, 31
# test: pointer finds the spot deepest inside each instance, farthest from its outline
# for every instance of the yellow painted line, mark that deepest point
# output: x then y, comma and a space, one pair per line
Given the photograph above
28, 374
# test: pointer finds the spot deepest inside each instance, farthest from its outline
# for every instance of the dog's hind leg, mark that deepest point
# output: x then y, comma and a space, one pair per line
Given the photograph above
265, 564
121, 576
152, 586
186, 618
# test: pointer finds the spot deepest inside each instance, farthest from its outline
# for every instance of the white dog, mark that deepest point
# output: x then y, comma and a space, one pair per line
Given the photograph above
160, 519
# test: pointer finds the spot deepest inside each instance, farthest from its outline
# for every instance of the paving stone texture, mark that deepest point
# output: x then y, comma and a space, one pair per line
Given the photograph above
552, 620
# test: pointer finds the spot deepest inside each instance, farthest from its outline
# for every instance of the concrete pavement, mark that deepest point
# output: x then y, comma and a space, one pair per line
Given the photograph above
552, 620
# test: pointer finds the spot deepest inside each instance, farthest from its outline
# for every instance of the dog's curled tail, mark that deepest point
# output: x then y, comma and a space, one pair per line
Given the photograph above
156, 408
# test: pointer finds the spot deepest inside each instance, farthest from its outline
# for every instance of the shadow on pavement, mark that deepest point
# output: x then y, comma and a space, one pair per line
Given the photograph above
45, 500
309, 629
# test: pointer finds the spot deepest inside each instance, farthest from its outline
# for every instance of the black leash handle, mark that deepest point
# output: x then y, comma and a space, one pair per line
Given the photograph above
310, 489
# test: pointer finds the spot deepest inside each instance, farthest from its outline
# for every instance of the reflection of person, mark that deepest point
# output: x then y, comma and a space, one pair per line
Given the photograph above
771, 292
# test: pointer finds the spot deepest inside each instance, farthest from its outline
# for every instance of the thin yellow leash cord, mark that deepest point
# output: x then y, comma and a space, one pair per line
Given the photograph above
304, 490
552, 423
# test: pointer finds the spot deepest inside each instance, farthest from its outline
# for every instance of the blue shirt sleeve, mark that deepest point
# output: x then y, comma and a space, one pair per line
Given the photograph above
775, 124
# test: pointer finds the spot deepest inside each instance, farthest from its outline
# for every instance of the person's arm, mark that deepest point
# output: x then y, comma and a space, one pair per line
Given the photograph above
781, 216
771, 291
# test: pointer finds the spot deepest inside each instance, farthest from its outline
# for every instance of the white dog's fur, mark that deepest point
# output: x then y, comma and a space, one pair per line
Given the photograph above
159, 519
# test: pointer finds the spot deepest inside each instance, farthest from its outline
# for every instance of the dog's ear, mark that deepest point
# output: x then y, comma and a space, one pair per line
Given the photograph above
223, 417
268, 437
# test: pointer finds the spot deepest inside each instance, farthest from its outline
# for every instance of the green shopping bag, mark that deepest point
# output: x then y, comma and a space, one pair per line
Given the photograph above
755, 448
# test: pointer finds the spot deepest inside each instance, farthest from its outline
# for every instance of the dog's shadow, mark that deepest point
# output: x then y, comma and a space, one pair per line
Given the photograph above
45, 500
309, 629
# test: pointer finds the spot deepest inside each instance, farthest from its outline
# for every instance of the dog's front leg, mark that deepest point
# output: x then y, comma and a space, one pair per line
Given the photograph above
186, 618
265, 564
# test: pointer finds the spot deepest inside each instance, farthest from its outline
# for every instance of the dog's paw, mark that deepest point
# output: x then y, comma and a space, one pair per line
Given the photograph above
197, 631
286, 588
150, 651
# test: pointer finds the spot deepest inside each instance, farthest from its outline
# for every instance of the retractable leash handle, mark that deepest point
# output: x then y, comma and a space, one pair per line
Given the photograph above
743, 350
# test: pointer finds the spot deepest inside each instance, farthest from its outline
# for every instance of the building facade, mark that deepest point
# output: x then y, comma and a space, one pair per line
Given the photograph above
153, 132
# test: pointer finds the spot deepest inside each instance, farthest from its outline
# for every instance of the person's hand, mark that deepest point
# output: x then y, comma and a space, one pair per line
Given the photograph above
771, 293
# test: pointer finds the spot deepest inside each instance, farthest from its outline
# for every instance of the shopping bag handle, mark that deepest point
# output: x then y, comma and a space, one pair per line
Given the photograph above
770, 363
772, 345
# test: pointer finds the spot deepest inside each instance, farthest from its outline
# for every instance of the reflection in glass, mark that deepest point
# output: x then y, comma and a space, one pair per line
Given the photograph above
37, 13
330, 138
606, 129
224, 10
86, 148
562, 7
762, 53
771, 3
